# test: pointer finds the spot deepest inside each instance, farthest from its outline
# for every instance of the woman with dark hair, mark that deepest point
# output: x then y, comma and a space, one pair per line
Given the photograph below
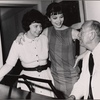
61, 49
33, 54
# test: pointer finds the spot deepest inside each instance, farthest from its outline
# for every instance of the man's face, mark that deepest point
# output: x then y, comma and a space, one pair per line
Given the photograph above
84, 35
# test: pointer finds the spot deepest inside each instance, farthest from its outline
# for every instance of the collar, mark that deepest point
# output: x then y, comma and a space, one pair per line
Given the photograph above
30, 40
96, 49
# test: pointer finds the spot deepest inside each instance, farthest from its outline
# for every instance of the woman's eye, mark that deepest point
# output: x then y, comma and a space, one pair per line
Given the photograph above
54, 17
62, 16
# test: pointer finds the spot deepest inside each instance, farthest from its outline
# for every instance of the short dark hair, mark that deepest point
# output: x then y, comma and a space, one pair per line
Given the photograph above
54, 9
30, 17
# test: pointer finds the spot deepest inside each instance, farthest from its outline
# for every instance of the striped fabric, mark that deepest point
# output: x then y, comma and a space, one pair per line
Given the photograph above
62, 55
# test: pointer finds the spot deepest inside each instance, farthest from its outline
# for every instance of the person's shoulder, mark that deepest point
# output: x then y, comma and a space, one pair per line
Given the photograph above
43, 36
14, 43
70, 29
77, 25
45, 31
66, 28
48, 28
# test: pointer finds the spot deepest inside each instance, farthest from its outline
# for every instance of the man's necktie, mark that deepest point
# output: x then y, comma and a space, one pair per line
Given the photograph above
91, 65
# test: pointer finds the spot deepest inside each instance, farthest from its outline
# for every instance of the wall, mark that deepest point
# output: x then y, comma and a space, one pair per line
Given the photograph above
16, 2
42, 4
92, 10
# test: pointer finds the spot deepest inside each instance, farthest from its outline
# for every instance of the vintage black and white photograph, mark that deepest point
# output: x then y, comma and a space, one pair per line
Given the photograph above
49, 49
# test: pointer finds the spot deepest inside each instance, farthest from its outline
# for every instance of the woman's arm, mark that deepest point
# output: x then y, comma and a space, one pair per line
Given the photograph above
4, 70
79, 58
11, 60
75, 34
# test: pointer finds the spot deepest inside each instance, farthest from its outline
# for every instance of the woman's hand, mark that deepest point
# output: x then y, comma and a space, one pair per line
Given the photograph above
1, 79
78, 58
20, 37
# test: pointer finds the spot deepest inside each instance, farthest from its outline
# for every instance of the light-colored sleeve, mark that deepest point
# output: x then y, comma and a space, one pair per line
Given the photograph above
4, 70
80, 87
10, 62
13, 54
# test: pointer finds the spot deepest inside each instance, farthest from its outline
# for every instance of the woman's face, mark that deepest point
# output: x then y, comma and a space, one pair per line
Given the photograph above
35, 29
57, 20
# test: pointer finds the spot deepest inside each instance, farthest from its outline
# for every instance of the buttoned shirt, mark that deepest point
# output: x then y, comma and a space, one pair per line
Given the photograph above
81, 87
32, 53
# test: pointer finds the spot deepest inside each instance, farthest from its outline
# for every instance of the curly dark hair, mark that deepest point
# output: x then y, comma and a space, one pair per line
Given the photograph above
30, 17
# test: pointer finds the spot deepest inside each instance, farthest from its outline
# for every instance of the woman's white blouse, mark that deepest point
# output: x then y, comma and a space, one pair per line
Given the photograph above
31, 52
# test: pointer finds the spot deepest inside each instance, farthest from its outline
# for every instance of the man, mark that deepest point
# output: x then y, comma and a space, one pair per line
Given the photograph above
89, 38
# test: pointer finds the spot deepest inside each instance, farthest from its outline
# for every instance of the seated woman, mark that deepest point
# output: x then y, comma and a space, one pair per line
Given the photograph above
33, 53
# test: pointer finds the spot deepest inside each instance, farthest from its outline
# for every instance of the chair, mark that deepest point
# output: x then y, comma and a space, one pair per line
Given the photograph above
30, 85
